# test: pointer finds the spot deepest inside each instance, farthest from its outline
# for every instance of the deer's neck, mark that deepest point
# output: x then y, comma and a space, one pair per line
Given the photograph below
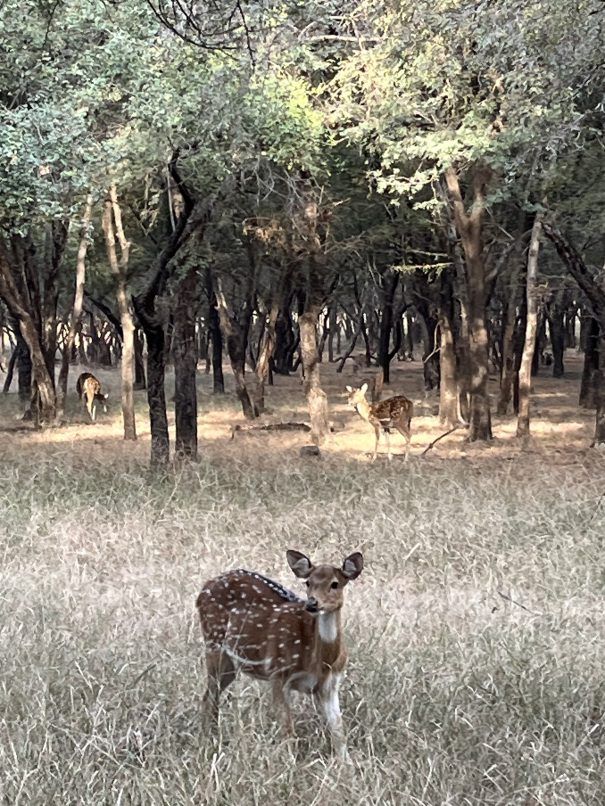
363, 409
329, 647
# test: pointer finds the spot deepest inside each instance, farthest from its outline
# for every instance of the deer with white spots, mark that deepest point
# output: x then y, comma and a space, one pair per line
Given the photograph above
394, 413
253, 624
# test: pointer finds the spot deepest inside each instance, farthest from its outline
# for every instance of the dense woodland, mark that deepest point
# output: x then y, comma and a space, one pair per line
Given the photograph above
279, 185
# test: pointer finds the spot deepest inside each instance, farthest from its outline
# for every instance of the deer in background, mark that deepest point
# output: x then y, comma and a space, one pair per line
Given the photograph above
396, 412
89, 390
253, 624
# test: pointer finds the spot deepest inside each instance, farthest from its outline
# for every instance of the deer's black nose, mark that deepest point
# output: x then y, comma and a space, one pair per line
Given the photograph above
312, 605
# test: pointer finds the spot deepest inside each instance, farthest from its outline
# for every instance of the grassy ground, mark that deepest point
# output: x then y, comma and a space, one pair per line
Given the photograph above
476, 633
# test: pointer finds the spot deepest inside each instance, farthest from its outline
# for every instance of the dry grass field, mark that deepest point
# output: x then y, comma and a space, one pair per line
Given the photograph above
476, 632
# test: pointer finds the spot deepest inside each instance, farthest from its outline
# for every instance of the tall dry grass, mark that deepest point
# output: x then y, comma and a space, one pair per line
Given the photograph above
477, 631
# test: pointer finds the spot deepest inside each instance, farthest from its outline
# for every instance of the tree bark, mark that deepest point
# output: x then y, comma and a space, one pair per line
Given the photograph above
184, 346
592, 364
508, 339
597, 384
448, 385
76, 313
151, 318
235, 334
469, 226
530, 330
112, 215
316, 398
389, 288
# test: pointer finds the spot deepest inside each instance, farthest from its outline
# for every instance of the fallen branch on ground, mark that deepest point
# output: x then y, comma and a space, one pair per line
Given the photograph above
435, 441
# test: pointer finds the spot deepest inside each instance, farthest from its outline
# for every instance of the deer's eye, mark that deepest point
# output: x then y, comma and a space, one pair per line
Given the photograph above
334, 585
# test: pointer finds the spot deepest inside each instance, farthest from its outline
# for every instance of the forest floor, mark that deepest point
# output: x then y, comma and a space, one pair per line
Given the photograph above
476, 631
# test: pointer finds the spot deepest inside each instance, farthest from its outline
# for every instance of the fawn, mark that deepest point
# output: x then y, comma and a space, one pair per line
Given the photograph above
253, 624
89, 388
396, 412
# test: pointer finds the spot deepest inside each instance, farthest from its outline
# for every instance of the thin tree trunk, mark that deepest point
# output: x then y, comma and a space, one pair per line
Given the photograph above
10, 371
390, 283
78, 302
530, 330
236, 336
316, 397
185, 366
113, 215
448, 384
599, 434
592, 363
508, 340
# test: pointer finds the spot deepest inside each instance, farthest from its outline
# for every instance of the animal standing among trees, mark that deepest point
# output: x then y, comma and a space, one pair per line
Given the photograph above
89, 391
396, 412
253, 624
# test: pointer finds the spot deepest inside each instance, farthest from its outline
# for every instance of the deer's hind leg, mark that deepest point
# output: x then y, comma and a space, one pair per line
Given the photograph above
221, 673
405, 430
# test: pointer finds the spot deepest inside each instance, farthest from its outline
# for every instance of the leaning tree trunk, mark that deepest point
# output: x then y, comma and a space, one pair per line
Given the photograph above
184, 347
78, 302
113, 215
530, 330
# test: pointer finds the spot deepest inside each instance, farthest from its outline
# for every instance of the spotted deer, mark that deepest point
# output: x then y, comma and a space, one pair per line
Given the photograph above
396, 412
89, 391
253, 624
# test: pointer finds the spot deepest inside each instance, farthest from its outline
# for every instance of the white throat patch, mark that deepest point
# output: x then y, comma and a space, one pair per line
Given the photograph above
328, 627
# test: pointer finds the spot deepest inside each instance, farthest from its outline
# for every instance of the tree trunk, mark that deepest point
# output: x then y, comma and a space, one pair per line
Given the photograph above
113, 215
508, 339
530, 329
235, 334
184, 346
316, 398
263, 365
592, 362
448, 386
139, 364
10, 371
597, 384
469, 226
333, 327
556, 324
389, 287
78, 302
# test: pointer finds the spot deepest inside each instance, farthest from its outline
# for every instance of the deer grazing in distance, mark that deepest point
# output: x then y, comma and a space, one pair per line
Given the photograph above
89, 390
253, 624
396, 412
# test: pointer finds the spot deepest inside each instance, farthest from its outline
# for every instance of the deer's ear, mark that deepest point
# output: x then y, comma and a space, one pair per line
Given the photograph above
364, 388
353, 565
299, 563
349, 389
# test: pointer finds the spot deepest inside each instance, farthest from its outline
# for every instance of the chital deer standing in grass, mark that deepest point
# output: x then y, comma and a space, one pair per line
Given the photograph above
253, 624
396, 412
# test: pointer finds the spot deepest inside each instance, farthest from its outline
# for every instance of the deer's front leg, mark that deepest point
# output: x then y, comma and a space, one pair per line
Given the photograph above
376, 438
282, 703
330, 705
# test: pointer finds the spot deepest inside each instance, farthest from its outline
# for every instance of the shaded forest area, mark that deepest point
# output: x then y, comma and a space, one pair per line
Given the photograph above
279, 185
